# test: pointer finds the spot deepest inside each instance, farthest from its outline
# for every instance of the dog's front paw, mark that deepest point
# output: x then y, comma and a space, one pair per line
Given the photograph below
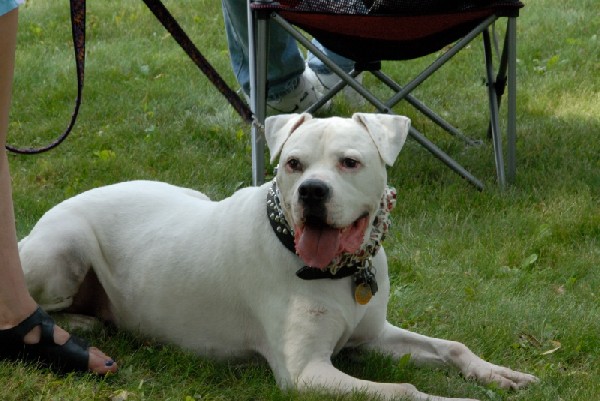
473, 367
504, 377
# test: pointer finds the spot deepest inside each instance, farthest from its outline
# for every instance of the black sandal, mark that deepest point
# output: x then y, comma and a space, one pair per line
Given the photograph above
72, 356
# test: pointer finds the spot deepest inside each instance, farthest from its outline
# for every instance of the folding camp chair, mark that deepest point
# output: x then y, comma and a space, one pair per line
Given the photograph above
369, 31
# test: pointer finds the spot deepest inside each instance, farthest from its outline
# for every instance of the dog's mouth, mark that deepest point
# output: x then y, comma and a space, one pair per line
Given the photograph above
318, 243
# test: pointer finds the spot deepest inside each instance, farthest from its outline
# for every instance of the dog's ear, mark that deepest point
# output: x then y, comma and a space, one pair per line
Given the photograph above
388, 131
279, 128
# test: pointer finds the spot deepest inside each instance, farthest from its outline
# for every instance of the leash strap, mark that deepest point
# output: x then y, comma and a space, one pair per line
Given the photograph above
78, 12
78, 33
172, 26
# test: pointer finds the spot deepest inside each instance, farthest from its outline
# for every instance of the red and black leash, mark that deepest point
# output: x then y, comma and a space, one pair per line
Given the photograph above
78, 13
173, 27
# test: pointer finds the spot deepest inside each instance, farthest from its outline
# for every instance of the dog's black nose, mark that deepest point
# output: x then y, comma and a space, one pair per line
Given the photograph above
314, 192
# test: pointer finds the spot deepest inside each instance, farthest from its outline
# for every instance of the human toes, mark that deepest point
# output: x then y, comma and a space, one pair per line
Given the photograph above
100, 363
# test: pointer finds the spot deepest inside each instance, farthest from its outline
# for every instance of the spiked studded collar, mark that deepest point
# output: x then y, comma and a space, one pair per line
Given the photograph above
357, 264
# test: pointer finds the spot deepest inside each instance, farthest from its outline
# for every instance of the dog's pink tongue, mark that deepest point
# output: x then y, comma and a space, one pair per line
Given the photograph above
318, 246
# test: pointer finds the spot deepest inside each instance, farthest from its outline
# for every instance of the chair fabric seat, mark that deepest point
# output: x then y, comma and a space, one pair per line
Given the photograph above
373, 30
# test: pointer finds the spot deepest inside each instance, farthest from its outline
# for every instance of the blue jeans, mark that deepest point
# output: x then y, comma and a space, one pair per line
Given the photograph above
285, 62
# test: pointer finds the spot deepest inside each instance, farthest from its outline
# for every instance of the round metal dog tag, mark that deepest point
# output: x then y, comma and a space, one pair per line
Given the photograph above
363, 293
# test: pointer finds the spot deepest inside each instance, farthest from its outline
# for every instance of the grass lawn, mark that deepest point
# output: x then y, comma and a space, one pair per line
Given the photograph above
512, 274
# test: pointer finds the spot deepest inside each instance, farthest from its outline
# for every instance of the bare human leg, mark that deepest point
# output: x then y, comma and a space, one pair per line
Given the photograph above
16, 304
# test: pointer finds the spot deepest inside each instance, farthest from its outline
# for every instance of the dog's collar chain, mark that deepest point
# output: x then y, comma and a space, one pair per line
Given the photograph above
357, 264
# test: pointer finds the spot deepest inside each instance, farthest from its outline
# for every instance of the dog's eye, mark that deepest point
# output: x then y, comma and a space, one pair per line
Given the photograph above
349, 163
294, 165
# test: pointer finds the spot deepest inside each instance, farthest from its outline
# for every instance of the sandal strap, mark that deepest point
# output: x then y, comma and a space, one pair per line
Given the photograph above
47, 328
70, 356
20, 331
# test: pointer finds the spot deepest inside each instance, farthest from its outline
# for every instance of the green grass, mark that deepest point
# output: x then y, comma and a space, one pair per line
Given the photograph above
512, 274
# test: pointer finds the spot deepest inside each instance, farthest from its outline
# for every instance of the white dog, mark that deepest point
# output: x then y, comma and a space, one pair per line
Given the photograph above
292, 270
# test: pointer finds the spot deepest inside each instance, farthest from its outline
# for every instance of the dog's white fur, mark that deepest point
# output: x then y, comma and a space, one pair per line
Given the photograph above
212, 277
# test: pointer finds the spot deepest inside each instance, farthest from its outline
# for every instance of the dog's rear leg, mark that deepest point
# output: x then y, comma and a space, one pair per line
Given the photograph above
322, 375
434, 351
54, 266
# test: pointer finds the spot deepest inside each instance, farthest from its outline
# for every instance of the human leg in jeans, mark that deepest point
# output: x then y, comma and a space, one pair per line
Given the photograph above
291, 86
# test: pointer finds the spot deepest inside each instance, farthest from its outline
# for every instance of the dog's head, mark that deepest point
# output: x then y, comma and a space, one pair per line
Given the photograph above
331, 177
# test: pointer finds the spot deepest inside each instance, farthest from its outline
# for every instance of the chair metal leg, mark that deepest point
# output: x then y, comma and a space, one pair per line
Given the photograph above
506, 78
432, 115
500, 82
511, 129
445, 158
439, 62
328, 95
258, 34
494, 114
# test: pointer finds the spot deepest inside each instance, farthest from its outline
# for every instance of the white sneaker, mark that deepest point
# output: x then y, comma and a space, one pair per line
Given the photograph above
301, 98
328, 81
